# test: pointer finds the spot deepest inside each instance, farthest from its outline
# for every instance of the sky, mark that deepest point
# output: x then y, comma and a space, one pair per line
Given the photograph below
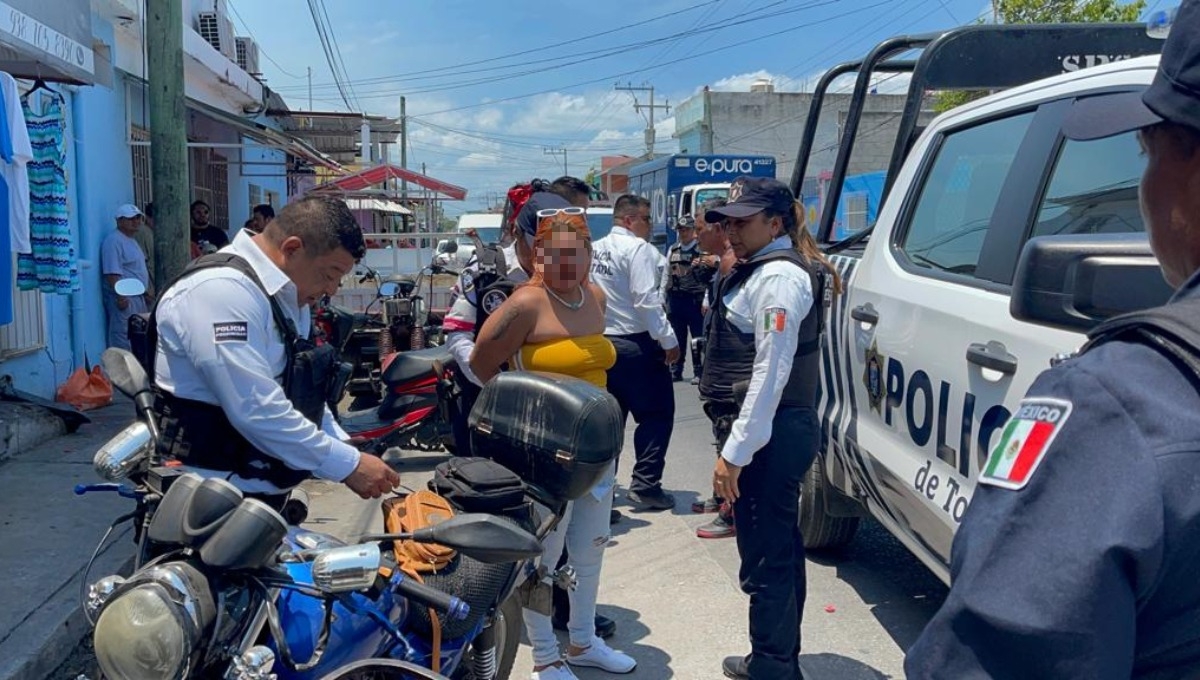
496, 89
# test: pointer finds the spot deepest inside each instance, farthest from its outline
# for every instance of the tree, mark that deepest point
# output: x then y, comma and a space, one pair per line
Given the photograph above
1046, 12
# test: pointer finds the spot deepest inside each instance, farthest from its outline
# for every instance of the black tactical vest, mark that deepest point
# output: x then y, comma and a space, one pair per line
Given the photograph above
685, 279
200, 434
729, 353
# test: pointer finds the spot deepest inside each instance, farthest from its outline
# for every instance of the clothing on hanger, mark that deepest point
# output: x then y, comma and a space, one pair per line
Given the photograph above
16, 151
52, 266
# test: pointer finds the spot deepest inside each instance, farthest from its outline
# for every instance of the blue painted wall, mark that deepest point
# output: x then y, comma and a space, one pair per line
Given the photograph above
267, 177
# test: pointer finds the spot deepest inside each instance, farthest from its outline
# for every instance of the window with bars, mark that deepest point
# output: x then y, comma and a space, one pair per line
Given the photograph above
256, 197
143, 191
210, 183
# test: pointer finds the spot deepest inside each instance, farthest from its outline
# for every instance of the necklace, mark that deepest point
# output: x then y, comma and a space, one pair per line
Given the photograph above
569, 305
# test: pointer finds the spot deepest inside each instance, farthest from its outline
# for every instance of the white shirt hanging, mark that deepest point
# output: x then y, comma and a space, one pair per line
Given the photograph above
16, 173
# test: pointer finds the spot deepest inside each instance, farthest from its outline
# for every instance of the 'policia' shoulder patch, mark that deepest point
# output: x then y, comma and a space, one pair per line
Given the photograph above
1024, 443
230, 331
774, 320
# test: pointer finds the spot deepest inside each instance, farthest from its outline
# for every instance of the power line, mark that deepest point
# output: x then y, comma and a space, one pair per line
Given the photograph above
586, 56
260, 49
572, 41
613, 76
338, 77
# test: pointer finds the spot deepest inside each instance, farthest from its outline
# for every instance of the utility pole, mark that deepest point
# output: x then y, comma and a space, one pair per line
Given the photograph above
403, 148
651, 106
310, 108
554, 151
168, 137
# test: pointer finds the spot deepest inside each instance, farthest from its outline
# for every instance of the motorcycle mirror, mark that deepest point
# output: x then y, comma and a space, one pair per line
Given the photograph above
482, 537
124, 371
129, 288
451, 247
389, 289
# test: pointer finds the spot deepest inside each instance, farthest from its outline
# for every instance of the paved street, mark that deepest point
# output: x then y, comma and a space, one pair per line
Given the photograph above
675, 597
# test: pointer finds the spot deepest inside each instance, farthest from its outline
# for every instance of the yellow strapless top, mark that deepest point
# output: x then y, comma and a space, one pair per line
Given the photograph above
587, 357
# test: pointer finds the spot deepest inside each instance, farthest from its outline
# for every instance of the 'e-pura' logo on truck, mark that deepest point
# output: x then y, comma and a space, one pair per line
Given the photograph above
719, 166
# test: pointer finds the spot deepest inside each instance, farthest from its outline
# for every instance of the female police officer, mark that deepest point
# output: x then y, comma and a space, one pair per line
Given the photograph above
761, 358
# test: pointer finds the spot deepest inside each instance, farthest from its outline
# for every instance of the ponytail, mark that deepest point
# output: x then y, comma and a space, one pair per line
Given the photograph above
806, 245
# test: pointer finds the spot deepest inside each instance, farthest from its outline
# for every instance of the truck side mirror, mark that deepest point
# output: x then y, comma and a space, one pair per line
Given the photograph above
1074, 282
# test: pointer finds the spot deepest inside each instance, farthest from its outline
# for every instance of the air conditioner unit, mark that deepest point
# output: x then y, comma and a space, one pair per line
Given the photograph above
216, 28
247, 55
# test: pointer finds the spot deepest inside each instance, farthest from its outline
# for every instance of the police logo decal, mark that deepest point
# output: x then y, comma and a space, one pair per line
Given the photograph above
873, 377
468, 281
735, 191
774, 320
492, 300
1026, 438
230, 331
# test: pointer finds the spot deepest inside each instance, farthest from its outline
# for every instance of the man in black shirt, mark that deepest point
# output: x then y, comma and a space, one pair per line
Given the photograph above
206, 237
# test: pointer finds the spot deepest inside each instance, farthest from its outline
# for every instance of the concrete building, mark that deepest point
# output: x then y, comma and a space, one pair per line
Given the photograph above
766, 122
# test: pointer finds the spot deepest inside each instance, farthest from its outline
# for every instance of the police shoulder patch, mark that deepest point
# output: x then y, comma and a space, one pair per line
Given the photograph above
492, 300
230, 331
1024, 442
774, 319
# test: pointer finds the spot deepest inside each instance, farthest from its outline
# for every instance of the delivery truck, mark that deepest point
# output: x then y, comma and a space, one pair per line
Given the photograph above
676, 184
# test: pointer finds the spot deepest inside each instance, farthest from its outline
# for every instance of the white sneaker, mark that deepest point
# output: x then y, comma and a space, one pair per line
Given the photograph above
601, 656
559, 672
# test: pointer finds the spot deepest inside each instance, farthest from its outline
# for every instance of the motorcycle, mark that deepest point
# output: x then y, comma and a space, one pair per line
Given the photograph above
223, 587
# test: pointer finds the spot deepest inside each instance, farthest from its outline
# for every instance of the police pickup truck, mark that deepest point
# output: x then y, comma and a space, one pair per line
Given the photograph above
997, 245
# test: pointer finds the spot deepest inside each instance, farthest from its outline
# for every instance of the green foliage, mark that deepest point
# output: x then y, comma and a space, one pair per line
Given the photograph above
1046, 12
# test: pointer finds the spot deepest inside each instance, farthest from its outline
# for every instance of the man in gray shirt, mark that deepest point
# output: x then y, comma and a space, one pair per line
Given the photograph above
122, 258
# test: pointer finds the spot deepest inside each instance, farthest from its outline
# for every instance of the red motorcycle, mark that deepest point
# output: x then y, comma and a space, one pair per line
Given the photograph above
417, 406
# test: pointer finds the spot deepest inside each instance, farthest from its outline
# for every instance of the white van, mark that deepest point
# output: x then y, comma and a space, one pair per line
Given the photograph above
487, 225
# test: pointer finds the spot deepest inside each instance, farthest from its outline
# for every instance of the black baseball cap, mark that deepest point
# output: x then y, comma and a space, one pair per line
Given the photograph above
1173, 96
752, 195
527, 220
685, 222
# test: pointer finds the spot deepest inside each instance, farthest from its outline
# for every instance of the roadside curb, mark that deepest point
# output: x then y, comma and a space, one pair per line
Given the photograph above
43, 641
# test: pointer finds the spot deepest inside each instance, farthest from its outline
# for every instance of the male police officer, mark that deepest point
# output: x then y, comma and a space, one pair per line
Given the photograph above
685, 280
230, 400
626, 267
1077, 557
485, 284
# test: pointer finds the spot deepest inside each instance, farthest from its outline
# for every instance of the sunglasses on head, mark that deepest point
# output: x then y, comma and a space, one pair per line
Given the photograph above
551, 212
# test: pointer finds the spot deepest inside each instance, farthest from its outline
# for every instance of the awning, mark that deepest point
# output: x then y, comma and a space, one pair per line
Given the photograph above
273, 138
378, 205
379, 174
48, 39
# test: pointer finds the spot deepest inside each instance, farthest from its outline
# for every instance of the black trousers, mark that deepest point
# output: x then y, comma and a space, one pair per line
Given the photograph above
468, 392
769, 543
684, 312
641, 382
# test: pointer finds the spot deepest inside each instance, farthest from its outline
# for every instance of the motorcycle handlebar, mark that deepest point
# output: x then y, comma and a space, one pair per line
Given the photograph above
432, 597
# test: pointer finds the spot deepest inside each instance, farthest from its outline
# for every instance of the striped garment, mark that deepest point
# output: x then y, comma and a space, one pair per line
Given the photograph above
52, 267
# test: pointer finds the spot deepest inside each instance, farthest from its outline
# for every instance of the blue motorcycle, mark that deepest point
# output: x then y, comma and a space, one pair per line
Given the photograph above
225, 587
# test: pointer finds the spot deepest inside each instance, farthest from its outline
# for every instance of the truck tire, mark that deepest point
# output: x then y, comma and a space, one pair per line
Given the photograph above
821, 530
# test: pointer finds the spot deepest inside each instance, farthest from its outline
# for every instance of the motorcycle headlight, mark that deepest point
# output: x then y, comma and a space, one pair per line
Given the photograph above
123, 453
151, 627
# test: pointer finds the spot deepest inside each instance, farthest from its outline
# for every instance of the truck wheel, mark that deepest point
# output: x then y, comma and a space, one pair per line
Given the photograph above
820, 529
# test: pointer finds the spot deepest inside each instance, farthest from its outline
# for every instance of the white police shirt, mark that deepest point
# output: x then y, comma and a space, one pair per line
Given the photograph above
459, 323
753, 307
629, 270
218, 344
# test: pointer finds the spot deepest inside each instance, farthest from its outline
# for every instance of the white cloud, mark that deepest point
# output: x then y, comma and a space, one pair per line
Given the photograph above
742, 82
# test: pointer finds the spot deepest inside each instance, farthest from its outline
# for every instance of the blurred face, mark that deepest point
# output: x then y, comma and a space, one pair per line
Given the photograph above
200, 215
1169, 195
748, 235
564, 258
687, 235
314, 275
711, 236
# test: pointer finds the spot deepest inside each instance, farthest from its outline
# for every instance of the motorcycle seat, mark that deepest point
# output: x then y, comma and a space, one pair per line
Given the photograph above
407, 366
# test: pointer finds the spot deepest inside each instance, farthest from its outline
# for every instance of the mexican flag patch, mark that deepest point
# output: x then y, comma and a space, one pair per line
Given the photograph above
775, 319
1024, 442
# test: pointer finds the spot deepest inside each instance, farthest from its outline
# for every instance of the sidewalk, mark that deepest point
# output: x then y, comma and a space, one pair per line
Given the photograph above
47, 535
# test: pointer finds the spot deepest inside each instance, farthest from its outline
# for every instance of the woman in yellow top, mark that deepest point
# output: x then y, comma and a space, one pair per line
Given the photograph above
555, 323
